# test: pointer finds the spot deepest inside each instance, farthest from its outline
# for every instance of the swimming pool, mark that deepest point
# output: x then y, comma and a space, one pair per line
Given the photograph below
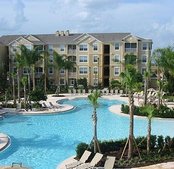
42, 142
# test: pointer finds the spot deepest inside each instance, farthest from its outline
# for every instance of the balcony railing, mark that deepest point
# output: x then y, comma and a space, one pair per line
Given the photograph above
130, 50
72, 51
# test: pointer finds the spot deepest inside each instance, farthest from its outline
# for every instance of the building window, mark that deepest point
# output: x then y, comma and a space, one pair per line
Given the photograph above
83, 47
83, 59
50, 47
116, 58
51, 58
83, 70
95, 82
71, 82
117, 46
72, 70
51, 82
95, 46
39, 70
25, 71
95, 59
62, 48
62, 71
62, 82
144, 59
72, 58
50, 70
95, 70
116, 71
143, 70
130, 47
144, 46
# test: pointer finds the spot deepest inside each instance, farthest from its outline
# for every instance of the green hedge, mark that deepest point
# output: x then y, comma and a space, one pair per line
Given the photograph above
162, 112
157, 144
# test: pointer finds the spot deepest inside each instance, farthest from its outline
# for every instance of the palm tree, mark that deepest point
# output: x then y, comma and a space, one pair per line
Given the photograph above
149, 109
68, 66
24, 83
147, 74
35, 55
93, 98
20, 62
59, 63
129, 80
13, 75
46, 63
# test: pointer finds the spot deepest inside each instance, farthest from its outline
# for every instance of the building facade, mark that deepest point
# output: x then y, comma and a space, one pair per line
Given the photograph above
98, 57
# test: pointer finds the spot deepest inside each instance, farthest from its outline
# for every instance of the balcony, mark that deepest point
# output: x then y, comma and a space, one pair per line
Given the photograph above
130, 50
72, 74
72, 51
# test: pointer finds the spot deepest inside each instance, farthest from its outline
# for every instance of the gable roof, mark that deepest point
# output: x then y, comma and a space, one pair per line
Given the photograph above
54, 39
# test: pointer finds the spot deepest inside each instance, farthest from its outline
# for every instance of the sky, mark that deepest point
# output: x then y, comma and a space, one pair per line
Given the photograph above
153, 19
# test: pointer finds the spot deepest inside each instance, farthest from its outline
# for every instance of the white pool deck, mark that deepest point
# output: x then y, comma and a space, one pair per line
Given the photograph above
4, 139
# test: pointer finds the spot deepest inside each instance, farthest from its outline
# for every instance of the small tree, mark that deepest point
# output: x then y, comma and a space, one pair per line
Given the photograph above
93, 98
149, 109
37, 95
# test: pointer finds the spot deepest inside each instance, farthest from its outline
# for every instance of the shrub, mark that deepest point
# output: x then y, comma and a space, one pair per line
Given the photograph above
80, 149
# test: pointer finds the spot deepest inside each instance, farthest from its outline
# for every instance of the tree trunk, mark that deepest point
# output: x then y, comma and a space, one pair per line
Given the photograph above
34, 83
25, 96
145, 91
19, 86
58, 82
29, 86
131, 125
14, 93
148, 135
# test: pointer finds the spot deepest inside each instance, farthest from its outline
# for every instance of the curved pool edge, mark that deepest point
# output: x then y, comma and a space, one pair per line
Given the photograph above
5, 142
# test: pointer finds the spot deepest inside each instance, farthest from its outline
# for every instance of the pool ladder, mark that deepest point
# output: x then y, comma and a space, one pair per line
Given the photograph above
16, 164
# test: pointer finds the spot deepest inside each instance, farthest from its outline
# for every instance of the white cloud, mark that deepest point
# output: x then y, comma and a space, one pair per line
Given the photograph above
149, 19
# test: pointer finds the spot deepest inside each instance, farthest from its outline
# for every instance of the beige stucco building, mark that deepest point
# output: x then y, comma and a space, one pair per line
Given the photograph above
99, 57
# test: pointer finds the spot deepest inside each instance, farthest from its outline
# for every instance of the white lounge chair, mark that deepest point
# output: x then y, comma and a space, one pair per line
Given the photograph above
84, 91
82, 160
54, 106
109, 163
92, 164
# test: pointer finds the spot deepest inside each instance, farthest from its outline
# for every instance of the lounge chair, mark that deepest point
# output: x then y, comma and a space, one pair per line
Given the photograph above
109, 163
82, 160
53, 106
93, 162
44, 105
84, 91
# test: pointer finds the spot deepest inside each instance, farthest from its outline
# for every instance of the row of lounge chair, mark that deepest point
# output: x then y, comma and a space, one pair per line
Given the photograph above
103, 91
50, 105
82, 164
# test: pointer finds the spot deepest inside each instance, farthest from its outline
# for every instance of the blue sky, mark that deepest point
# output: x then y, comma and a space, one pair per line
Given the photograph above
149, 19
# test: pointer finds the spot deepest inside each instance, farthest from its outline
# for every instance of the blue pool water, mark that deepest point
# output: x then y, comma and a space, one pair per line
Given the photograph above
42, 142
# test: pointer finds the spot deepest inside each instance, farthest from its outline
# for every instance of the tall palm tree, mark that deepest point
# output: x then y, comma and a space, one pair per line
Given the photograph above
35, 55
93, 98
13, 75
24, 83
59, 63
68, 66
20, 62
149, 109
130, 81
147, 74
46, 64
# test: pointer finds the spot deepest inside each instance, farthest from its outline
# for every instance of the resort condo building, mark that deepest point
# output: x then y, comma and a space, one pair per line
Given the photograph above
98, 57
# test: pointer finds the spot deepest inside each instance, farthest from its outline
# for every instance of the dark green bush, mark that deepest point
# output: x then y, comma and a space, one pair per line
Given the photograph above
80, 149
125, 109
162, 112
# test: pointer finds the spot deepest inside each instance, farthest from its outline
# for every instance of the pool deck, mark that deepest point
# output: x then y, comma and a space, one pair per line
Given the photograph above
4, 139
